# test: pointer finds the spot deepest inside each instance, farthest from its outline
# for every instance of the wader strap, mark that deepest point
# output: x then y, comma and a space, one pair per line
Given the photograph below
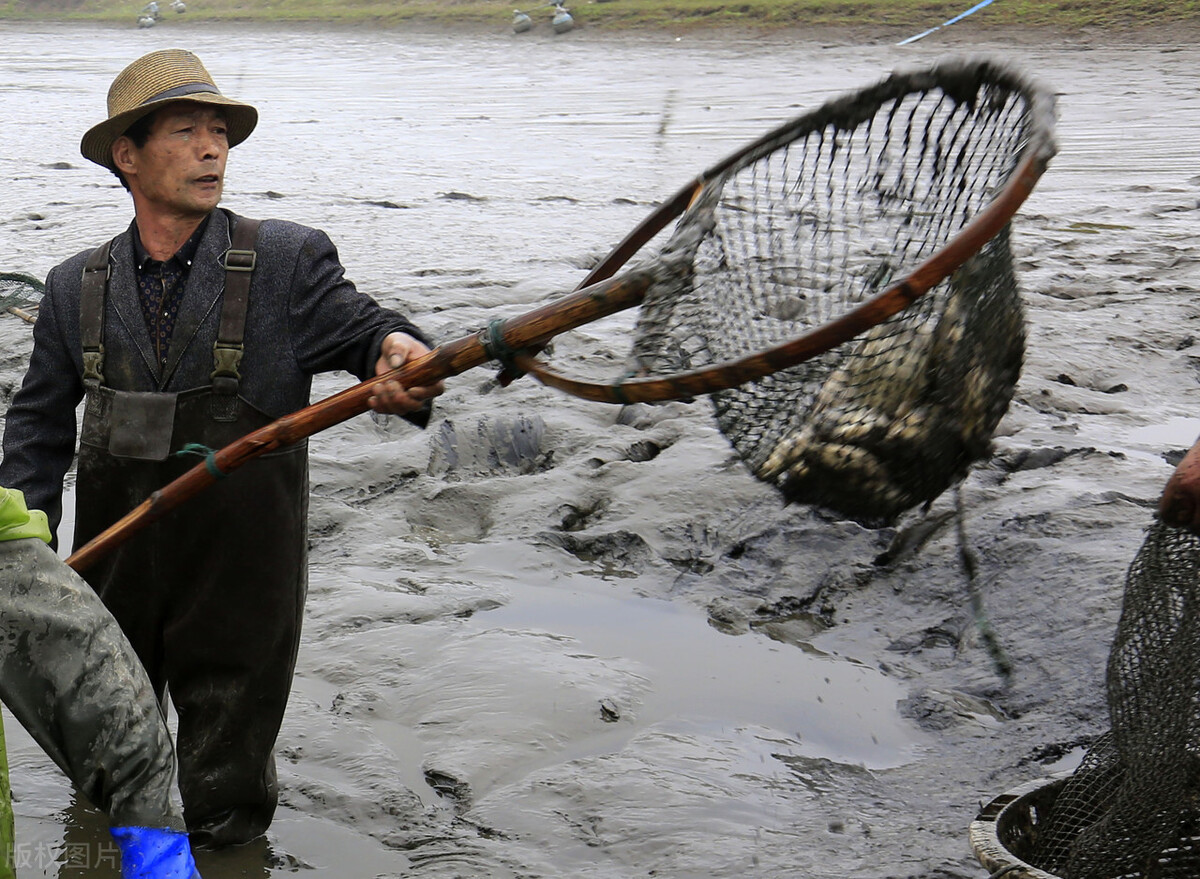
239, 265
92, 292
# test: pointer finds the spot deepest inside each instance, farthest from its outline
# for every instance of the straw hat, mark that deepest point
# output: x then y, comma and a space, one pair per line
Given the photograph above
151, 82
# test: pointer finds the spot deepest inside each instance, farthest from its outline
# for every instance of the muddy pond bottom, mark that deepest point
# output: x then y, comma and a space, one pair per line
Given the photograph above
697, 676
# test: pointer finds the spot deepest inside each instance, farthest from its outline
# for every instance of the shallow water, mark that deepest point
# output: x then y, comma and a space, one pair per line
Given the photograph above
475, 696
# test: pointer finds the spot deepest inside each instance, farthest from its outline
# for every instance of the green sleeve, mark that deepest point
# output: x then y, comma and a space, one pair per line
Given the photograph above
17, 521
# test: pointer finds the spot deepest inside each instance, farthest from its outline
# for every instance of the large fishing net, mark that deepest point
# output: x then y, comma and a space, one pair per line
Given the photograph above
1132, 808
824, 218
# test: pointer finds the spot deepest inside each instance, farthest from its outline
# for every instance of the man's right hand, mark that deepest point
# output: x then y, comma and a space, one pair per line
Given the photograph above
1179, 505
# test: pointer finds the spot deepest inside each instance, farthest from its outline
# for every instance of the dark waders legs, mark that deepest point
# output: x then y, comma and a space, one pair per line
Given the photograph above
212, 598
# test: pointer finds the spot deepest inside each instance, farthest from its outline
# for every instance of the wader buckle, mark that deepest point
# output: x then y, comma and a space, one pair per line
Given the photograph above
93, 363
226, 359
240, 260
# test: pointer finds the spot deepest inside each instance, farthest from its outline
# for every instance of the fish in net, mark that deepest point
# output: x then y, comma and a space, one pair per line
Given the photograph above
1131, 810
783, 243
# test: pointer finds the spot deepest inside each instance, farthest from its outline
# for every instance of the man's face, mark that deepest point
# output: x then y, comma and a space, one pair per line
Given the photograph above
180, 170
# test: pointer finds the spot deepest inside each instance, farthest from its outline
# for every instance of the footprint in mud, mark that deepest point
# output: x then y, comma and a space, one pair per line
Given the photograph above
448, 787
943, 709
493, 446
579, 516
620, 553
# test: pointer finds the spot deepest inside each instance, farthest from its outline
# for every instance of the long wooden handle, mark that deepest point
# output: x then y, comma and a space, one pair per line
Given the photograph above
494, 342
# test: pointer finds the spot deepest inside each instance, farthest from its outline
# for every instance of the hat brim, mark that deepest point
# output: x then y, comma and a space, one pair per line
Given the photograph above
240, 120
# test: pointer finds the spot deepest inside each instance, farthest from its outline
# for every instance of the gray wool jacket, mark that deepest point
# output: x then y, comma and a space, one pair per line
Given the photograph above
304, 317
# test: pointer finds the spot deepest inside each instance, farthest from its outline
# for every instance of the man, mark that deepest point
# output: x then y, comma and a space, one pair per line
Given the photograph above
73, 681
193, 328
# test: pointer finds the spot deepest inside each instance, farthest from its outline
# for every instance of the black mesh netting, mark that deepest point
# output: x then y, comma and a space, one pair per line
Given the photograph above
827, 218
20, 294
1132, 808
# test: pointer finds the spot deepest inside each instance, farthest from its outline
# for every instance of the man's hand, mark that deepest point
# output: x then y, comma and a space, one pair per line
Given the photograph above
391, 397
1179, 505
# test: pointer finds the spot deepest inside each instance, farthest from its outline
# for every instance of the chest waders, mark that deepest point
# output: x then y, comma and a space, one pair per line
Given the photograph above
212, 595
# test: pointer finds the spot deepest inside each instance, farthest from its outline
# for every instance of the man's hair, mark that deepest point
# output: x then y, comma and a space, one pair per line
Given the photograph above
139, 133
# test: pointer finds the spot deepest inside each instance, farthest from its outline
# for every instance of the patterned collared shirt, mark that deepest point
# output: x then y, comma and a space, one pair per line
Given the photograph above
161, 286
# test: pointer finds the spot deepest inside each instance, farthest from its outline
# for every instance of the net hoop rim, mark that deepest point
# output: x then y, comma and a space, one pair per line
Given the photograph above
966, 73
959, 78
993, 819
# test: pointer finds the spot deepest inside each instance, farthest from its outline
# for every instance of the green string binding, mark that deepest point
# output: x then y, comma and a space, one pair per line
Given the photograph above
210, 458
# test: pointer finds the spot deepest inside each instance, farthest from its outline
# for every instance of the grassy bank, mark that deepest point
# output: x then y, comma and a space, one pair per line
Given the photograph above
633, 14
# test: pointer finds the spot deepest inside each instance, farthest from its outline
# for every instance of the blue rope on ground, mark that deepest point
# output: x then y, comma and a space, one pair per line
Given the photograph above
946, 23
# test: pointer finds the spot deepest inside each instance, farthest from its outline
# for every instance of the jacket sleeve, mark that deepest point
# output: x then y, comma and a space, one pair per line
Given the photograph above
39, 429
334, 325
71, 678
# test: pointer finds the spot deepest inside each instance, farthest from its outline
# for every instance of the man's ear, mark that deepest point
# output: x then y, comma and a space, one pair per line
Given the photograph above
123, 155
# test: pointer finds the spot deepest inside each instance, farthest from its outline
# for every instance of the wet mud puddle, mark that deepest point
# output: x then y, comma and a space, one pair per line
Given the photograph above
698, 677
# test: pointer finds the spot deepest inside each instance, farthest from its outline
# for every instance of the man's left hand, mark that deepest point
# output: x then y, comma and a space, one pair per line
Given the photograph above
391, 397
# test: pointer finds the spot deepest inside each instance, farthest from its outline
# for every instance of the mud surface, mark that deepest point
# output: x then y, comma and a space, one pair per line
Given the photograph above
551, 638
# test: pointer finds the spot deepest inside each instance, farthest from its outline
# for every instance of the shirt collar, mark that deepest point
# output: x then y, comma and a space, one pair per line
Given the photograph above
183, 256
